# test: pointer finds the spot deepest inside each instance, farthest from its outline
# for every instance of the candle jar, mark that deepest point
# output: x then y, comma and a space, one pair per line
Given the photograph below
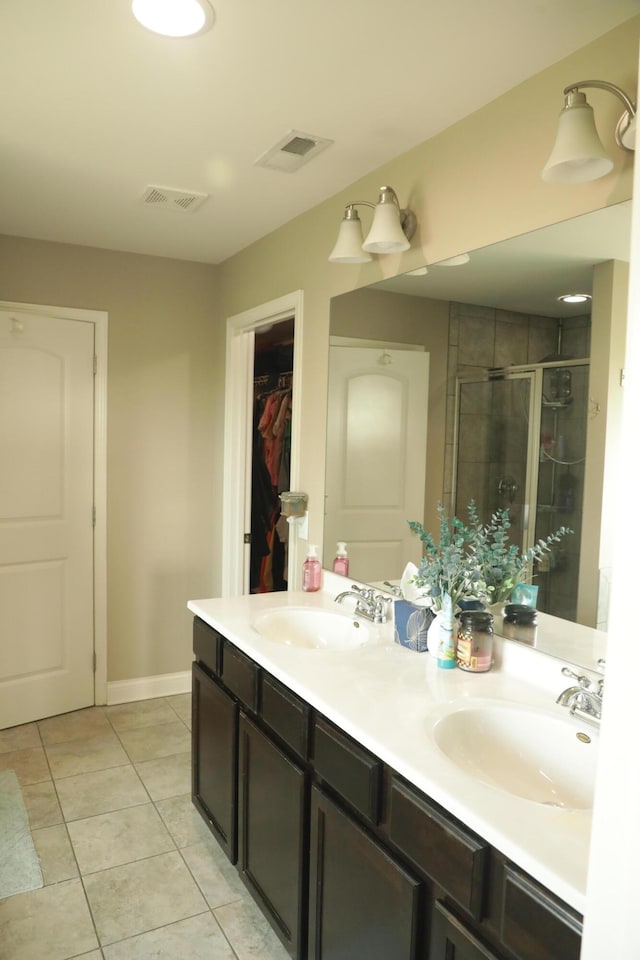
520, 623
474, 651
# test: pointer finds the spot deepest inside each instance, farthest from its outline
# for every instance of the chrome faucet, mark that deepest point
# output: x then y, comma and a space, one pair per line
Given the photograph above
585, 698
369, 604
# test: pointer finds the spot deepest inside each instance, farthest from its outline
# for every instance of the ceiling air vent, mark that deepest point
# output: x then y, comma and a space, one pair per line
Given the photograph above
167, 198
294, 150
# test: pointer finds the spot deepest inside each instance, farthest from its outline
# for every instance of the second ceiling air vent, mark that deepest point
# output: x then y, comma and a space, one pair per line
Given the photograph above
292, 151
168, 198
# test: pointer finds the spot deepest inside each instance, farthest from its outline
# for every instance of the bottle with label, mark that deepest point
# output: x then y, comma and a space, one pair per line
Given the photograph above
474, 651
446, 640
311, 571
341, 561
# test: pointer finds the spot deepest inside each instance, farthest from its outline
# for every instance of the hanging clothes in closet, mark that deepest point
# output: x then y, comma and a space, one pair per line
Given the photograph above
271, 464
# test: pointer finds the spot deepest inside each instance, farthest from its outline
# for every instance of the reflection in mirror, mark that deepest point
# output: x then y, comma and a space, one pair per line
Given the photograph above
520, 410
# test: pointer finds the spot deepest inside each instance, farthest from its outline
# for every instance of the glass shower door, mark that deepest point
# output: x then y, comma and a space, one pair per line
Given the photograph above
561, 475
520, 444
495, 452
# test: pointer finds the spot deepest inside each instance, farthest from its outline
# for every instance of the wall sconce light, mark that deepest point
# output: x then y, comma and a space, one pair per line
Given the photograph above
578, 154
391, 230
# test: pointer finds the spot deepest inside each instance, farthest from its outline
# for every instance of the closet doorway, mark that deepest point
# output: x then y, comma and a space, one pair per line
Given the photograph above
271, 455
249, 335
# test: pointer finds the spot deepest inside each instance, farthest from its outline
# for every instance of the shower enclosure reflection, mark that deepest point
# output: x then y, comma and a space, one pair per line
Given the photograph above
520, 445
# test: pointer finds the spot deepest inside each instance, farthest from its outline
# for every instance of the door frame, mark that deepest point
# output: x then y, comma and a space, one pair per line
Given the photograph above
100, 320
238, 435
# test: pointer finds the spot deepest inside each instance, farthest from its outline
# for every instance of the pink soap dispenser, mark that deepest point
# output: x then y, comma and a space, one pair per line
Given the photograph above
311, 571
341, 562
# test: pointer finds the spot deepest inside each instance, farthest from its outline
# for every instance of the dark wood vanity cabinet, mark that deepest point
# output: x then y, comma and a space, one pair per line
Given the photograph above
214, 767
534, 924
272, 839
363, 902
452, 940
345, 857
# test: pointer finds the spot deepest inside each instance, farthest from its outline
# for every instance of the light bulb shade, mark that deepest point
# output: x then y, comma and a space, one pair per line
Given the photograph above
348, 248
386, 234
578, 154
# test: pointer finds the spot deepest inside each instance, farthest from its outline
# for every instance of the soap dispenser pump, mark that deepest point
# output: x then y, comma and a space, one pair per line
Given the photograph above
311, 571
341, 561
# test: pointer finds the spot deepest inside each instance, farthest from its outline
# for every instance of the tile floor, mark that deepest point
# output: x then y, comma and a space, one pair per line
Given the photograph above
130, 870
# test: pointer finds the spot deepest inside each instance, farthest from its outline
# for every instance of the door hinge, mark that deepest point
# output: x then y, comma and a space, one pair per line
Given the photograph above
95, 662
95, 364
93, 516
622, 377
247, 538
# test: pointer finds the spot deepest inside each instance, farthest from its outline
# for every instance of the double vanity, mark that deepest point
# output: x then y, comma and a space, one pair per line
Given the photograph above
378, 807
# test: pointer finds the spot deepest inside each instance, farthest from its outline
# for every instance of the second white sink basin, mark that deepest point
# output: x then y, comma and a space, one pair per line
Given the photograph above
526, 752
311, 629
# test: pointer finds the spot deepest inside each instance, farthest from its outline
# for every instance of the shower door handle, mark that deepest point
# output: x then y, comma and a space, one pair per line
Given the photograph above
507, 488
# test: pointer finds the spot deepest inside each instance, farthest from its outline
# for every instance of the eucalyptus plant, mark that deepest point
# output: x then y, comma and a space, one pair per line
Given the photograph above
502, 564
450, 566
475, 560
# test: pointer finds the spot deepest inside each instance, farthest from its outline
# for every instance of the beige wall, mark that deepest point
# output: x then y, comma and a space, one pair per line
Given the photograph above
476, 183
165, 364
609, 327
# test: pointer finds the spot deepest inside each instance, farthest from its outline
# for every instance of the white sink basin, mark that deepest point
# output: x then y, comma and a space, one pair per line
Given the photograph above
526, 752
311, 629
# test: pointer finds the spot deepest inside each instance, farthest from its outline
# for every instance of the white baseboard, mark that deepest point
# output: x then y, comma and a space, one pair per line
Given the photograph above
147, 688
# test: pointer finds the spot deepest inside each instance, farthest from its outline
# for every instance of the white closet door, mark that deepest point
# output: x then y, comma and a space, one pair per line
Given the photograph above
376, 457
46, 516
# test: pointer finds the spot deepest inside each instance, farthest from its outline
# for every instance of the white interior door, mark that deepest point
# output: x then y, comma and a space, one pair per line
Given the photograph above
46, 516
376, 457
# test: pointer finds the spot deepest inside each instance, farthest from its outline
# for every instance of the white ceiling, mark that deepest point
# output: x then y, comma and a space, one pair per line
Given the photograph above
94, 108
527, 274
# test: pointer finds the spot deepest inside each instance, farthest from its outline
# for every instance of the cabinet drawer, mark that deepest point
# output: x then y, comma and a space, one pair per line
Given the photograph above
286, 714
240, 675
452, 856
207, 645
535, 925
351, 770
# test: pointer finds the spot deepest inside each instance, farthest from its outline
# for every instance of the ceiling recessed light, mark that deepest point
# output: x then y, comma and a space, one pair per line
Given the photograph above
574, 297
174, 18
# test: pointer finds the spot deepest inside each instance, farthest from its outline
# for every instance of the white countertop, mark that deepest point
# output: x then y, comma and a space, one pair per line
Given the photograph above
387, 698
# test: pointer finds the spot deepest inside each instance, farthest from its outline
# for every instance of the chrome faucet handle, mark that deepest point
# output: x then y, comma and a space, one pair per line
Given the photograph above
380, 607
582, 680
394, 589
586, 683
366, 592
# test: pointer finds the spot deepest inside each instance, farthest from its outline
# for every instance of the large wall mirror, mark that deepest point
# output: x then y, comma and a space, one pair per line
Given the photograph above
471, 379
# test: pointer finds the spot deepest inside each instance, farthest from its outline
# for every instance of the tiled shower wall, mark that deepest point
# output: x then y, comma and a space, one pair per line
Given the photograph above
485, 337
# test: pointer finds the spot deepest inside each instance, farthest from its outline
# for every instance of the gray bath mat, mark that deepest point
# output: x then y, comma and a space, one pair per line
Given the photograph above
19, 864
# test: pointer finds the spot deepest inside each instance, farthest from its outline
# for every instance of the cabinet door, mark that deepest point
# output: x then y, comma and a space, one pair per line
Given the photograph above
535, 924
214, 748
451, 940
271, 833
362, 903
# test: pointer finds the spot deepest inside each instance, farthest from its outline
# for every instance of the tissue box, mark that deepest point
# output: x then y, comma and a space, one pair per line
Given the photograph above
411, 625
